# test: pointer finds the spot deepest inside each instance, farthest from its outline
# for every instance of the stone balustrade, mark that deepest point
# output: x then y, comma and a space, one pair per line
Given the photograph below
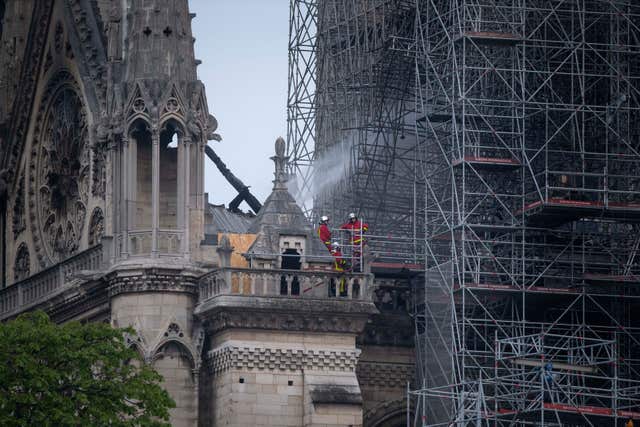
140, 243
44, 284
285, 283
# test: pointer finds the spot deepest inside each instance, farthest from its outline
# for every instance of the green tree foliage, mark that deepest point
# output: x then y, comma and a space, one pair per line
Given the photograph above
75, 375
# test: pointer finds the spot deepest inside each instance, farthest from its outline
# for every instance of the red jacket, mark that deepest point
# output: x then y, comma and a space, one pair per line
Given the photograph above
325, 234
355, 228
340, 264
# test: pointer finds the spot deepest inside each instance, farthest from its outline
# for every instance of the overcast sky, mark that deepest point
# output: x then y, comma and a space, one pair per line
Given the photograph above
243, 49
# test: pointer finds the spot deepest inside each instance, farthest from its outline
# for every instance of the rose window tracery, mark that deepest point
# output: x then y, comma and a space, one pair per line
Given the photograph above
61, 164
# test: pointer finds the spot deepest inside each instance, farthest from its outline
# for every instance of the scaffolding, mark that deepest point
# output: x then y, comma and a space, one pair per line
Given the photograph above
503, 135
355, 127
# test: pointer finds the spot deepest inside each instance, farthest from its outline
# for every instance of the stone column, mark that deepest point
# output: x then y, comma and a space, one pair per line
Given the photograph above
186, 189
200, 176
110, 183
155, 192
111, 200
124, 197
180, 195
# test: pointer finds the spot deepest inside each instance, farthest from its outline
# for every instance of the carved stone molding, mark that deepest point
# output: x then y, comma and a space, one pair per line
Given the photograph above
231, 356
27, 86
96, 227
388, 375
98, 170
22, 265
58, 40
151, 281
92, 44
393, 410
284, 321
19, 223
82, 297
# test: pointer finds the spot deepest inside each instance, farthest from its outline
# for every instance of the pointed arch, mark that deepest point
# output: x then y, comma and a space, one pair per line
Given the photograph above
138, 105
389, 414
184, 346
172, 102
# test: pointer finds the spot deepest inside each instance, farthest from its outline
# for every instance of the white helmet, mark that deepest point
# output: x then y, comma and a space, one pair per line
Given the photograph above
324, 218
352, 215
336, 244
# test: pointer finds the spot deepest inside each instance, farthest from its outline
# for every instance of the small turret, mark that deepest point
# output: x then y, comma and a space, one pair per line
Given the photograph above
165, 125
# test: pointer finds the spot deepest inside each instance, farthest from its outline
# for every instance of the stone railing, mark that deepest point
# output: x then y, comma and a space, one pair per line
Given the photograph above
285, 283
141, 241
47, 282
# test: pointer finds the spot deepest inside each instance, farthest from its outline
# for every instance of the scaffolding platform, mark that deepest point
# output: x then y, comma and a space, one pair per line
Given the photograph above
476, 228
579, 410
557, 211
488, 162
395, 267
591, 410
611, 279
491, 37
438, 117
496, 287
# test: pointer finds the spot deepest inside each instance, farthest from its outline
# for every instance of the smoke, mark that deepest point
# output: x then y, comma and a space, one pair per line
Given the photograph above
329, 168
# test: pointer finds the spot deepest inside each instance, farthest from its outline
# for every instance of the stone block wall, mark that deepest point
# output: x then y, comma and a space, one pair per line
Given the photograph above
383, 372
175, 366
163, 322
332, 399
257, 399
277, 378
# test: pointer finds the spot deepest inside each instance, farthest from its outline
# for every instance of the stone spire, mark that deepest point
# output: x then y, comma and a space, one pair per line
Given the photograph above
280, 215
280, 211
280, 160
159, 42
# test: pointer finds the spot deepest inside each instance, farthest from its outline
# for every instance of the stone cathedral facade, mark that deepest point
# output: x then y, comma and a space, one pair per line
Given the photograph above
103, 124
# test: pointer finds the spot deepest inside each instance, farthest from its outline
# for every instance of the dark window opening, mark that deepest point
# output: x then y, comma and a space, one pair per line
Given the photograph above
355, 290
283, 286
332, 288
291, 260
295, 286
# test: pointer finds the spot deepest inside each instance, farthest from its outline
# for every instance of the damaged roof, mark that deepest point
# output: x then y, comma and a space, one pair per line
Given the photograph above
225, 221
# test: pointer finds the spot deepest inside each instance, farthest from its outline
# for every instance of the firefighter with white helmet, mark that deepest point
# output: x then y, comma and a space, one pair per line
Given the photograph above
356, 229
340, 264
324, 233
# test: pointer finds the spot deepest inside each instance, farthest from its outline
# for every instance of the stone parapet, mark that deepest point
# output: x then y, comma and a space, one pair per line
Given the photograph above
293, 283
45, 285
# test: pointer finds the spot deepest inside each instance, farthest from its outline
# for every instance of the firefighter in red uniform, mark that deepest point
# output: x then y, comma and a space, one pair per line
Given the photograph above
356, 229
324, 233
341, 265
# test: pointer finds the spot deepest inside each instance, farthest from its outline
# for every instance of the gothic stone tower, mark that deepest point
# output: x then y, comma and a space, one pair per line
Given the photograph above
155, 169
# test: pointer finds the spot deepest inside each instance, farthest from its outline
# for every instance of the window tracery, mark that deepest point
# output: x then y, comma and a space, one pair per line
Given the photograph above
60, 171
